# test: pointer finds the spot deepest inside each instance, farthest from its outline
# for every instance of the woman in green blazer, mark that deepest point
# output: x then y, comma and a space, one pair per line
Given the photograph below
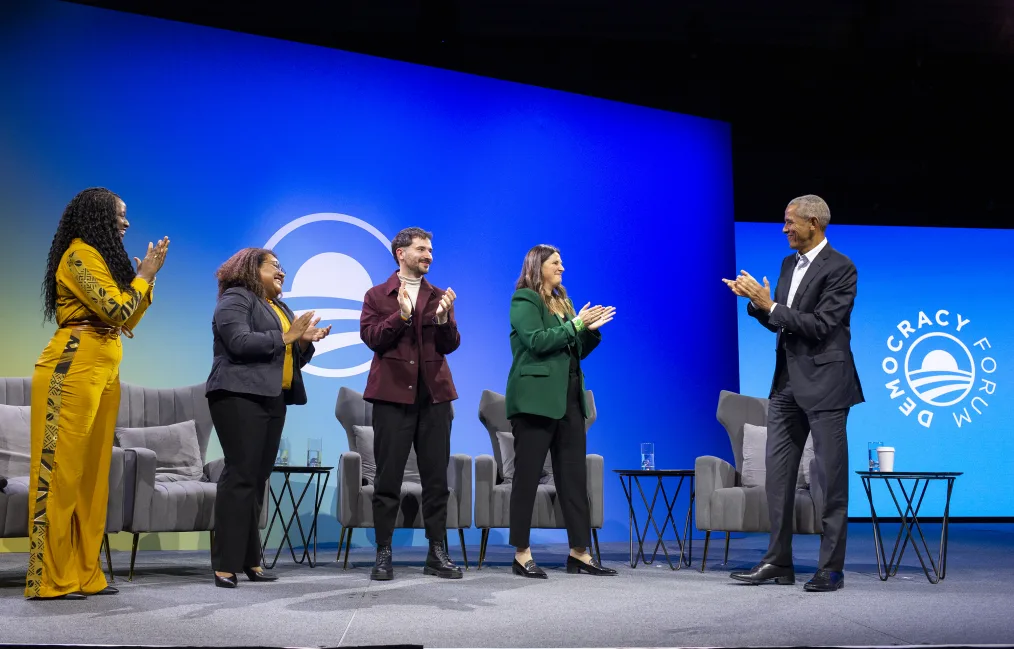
546, 405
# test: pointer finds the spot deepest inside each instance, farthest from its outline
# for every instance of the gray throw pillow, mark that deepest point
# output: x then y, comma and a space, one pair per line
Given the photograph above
15, 440
754, 455
177, 451
506, 442
364, 446
755, 458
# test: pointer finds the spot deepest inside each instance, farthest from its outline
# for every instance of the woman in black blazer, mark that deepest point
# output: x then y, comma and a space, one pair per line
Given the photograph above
260, 347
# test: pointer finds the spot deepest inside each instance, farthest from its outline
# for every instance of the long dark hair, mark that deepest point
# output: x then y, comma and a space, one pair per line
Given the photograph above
531, 277
91, 217
243, 270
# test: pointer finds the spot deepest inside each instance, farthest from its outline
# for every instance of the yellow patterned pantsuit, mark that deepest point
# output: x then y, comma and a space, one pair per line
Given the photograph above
75, 401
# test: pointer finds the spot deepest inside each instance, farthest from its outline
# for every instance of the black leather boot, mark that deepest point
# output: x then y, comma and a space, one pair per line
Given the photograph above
382, 569
439, 564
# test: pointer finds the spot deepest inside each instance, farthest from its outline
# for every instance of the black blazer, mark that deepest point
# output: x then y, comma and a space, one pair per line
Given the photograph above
814, 334
249, 352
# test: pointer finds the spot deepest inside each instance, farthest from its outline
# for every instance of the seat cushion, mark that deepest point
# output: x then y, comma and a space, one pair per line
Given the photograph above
15, 440
14, 508
364, 446
410, 512
545, 515
745, 509
754, 470
184, 506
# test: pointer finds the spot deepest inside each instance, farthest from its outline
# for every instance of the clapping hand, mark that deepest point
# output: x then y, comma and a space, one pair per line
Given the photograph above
298, 328
148, 267
313, 333
746, 286
404, 301
446, 301
594, 317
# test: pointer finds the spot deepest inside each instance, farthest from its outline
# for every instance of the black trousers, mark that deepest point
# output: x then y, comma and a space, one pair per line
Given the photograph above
534, 436
788, 425
396, 429
250, 428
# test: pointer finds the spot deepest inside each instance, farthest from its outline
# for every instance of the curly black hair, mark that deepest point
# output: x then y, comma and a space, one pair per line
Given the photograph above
91, 217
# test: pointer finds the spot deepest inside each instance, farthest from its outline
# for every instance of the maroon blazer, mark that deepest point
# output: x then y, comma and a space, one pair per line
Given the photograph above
401, 348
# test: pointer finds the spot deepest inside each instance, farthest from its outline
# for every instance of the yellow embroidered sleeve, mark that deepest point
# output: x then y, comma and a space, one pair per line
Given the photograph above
85, 274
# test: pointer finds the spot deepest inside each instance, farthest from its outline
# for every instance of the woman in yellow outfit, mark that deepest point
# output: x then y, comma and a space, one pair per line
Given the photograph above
94, 294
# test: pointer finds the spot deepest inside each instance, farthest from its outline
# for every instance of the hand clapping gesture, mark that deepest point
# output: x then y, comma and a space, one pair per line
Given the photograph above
313, 333
595, 316
446, 302
404, 301
746, 286
148, 267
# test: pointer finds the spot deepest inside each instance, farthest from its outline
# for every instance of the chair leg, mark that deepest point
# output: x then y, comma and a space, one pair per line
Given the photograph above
595, 538
464, 552
109, 558
133, 556
704, 556
348, 544
341, 541
727, 535
482, 547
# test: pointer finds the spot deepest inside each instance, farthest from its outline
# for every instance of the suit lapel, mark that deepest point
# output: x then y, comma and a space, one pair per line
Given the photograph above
264, 305
811, 272
784, 280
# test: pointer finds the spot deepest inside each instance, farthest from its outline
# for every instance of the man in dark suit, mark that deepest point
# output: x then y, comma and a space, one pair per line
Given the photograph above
409, 324
814, 385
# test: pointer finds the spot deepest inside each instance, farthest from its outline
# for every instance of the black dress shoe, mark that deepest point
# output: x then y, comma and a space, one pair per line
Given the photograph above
528, 570
67, 596
382, 569
259, 575
575, 566
439, 564
825, 581
225, 582
108, 590
764, 572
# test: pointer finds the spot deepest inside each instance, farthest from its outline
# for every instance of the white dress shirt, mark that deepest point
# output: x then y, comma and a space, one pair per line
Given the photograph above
802, 264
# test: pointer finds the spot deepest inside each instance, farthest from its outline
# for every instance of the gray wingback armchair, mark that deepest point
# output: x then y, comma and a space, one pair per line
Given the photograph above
354, 504
493, 495
15, 445
723, 503
152, 503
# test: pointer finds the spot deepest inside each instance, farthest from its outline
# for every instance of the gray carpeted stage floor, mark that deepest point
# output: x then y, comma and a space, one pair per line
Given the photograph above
172, 601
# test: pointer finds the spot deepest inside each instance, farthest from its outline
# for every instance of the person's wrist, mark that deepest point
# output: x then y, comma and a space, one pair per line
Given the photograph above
579, 323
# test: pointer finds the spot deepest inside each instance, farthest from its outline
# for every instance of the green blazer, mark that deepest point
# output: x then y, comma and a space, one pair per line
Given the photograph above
537, 383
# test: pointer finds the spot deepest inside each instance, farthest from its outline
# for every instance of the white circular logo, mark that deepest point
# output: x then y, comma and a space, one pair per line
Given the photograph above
331, 275
945, 369
939, 368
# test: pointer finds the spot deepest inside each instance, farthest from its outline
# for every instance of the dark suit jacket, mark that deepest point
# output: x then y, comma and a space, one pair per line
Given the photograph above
814, 335
249, 352
537, 383
401, 348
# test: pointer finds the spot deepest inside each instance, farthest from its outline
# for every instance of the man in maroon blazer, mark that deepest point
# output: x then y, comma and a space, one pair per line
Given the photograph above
409, 324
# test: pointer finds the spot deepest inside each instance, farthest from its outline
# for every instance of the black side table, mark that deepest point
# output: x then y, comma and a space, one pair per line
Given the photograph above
686, 542
288, 472
909, 520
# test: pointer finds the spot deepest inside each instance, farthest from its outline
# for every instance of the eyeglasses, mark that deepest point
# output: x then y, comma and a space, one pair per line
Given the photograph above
274, 264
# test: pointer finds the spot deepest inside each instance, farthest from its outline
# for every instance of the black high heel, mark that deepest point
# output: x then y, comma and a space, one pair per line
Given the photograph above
225, 582
254, 575
530, 570
575, 566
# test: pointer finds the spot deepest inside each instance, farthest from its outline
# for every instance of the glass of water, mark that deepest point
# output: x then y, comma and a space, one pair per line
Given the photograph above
647, 456
872, 455
282, 459
313, 451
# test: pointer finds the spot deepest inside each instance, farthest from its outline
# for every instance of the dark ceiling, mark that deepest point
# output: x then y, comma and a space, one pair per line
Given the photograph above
896, 112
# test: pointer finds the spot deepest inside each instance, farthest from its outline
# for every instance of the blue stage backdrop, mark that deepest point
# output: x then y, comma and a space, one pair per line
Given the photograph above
222, 140
931, 335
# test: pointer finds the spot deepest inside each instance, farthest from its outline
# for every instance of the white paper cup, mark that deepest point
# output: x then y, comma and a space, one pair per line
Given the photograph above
885, 455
